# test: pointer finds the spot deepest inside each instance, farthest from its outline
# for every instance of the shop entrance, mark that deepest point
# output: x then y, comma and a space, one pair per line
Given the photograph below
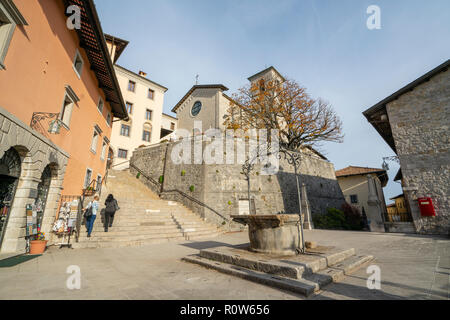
10, 168
42, 194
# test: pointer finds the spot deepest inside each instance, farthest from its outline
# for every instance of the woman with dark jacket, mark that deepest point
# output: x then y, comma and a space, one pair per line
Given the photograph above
110, 210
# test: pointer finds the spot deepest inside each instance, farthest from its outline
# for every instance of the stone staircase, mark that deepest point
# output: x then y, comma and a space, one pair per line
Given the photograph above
143, 218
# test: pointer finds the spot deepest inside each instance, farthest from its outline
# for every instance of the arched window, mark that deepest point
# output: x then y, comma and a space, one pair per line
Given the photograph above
147, 132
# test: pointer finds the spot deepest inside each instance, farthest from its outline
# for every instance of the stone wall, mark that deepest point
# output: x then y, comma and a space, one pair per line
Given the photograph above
36, 152
420, 126
221, 186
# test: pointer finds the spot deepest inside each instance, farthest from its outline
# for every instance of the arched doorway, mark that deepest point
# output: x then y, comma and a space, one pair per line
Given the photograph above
42, 194
10, 169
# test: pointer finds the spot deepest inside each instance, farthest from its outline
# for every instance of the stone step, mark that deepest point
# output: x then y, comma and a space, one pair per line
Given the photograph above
200, 233
191, 237
311, 262
307, 284
199, 228
107, 237
302, 286
121, 244
135, 228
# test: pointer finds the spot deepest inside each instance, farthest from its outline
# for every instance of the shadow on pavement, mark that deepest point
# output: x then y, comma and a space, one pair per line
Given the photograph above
14, 261
211, 244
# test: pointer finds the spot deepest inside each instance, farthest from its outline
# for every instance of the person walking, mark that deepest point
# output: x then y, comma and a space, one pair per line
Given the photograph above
90, 214
110, 210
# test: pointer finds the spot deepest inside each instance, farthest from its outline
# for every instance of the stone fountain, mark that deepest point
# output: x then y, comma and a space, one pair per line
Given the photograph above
272, 234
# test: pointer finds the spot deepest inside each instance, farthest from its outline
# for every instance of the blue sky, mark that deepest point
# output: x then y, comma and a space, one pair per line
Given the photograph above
324, 45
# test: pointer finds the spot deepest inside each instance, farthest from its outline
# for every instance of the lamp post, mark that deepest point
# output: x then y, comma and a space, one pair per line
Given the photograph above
294, 158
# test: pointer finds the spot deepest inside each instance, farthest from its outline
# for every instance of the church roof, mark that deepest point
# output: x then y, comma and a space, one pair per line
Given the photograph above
264, 71
198, 86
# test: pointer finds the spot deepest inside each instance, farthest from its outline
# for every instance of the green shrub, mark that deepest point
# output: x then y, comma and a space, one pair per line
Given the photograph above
192, 188
183, 173
348, 218
161, 179
333, 219
138, 175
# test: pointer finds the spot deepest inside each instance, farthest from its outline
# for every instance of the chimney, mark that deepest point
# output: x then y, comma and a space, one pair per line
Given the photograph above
142, 74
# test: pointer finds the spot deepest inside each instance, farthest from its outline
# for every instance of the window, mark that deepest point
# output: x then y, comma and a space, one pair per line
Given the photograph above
100, 105
131, 86
78, 64
146, 135
10, 17
129, 107
354, 198
123, 154
104, 147
151, 94
172, 126
108, 119
95, 140
125, 130
148, 114
70, 98
87, 178
196, 108
99, 183
66, 112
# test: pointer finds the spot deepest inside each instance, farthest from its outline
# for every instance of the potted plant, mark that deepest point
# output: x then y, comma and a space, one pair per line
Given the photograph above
38, 245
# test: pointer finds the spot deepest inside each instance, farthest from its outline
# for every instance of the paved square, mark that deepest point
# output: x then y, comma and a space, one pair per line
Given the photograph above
412, 267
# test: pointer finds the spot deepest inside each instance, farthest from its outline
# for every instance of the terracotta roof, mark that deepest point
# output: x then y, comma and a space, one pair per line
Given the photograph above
356, 171
198, 86
352, 171
141, 77
92, 40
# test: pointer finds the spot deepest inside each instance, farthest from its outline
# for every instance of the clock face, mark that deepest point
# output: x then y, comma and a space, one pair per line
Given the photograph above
196, 108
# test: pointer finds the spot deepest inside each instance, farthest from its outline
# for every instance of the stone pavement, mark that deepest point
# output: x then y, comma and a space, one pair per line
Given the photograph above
412, 267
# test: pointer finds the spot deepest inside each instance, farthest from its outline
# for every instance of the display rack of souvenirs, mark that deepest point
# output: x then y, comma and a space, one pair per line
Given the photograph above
65, 224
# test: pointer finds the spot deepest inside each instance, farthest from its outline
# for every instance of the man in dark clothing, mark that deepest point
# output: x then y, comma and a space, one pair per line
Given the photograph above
110, 210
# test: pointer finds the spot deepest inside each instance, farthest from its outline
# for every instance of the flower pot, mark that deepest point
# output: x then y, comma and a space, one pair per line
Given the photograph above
38, 246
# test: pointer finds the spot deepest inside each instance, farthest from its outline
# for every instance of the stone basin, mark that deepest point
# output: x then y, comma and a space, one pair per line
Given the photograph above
272, 234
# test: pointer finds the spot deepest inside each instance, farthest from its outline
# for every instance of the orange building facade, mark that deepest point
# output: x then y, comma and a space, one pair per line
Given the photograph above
58, 89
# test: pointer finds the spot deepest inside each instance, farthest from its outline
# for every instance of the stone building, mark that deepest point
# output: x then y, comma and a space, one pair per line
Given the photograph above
169, 125
144, 100
355, 184
208, 104
58, 95
220, 190
215, 191
414, 121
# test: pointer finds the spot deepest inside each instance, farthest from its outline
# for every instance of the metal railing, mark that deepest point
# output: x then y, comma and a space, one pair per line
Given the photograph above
158, 184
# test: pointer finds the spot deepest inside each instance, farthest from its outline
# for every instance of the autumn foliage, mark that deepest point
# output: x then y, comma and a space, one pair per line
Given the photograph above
286, 106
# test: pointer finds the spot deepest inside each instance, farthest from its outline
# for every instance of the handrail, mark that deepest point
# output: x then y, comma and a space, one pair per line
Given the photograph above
118, 164
157, 183
197, 201
179, 191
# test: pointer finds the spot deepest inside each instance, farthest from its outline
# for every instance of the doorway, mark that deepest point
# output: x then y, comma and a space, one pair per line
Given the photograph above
10, 169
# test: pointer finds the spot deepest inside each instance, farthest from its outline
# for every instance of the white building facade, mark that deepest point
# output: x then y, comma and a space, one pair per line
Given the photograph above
144, 100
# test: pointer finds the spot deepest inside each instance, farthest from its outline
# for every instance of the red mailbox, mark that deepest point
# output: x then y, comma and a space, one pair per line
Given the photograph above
426, 207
